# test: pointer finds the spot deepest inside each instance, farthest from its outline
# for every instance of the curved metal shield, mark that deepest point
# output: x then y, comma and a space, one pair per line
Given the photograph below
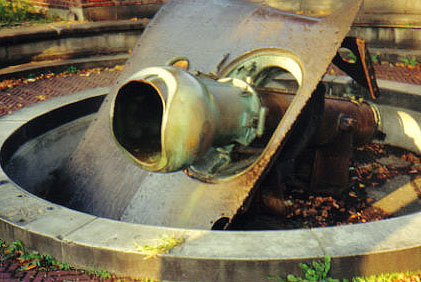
216, 36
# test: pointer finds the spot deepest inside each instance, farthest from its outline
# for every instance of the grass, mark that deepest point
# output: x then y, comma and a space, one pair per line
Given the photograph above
71, 69
98, 272
412, 62
33, 259
375, 59
316, 271
386, 277
165, 244
17, 12
390, 277
30, 259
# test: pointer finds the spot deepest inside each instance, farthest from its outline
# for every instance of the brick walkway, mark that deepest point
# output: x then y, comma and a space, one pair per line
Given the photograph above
21, 93
28, 92
402, 74
18, 94
9, 272
389, 71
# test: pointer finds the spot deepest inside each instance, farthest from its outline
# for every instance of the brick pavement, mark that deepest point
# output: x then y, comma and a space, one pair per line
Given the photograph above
402, 74
15, 94
27, 92
9, 272
390, 71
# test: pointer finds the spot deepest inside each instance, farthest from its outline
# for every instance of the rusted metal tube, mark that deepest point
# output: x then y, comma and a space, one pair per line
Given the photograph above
340, 114
344, 125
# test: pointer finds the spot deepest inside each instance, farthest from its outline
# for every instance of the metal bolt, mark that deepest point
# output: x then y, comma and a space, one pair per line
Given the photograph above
347, 123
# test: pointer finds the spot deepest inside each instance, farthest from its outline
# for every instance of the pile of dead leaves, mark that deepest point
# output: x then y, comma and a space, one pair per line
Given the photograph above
319, 211
373, 165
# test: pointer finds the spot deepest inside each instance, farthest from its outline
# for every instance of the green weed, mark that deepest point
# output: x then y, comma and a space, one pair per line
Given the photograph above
413, 62
71, 69
165, 245
30, 259
318, 271
405, 61
387, 277
15, 249
375, 59
31, 76
409, 62
315, 272
98, 272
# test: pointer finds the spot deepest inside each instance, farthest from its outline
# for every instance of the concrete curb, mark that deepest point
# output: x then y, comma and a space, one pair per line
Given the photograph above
59, 30
27, 44
85, 240
22, 71
67, 41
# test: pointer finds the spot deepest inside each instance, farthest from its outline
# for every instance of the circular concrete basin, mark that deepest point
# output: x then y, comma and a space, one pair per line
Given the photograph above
36, 140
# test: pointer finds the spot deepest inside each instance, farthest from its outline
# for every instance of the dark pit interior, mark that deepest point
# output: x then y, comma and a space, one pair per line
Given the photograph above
137, 120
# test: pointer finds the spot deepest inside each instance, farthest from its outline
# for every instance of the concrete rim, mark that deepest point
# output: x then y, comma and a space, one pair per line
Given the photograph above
86, 240
20, 48
63, 30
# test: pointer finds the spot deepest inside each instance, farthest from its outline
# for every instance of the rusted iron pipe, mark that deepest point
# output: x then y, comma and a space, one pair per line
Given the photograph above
339, 114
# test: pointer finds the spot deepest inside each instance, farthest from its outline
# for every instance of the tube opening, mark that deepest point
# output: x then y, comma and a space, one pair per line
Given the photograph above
137, 120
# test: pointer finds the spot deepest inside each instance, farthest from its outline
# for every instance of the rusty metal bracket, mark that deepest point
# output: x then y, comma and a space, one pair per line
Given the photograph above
362, 70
